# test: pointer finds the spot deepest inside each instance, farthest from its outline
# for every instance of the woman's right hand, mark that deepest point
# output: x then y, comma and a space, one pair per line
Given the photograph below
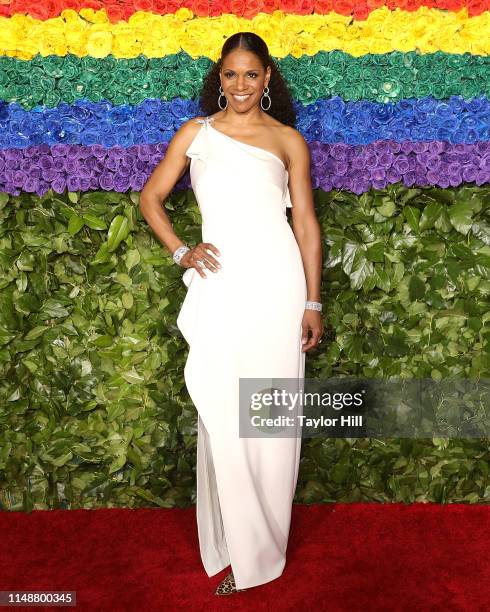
200, 253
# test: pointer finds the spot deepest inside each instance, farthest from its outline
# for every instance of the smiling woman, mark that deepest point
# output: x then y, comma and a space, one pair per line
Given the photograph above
256, 314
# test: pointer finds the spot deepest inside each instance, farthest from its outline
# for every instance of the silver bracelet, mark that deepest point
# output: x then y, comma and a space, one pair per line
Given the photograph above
313, 306
179, 253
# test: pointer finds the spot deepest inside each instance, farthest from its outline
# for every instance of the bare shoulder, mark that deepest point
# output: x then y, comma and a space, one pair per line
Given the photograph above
294, 145
190, 127
183, 137
294, 140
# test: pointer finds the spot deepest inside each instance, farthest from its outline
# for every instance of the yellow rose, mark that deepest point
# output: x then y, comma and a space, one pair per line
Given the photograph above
52, 46
293, 24
26, 51
265, 31
195, 40
296, 50
311, 46
157, 48
99, 44
229, 22
140, 19
262, 20
336, 29
70, 16
184, 14
401, 43
94, 16
171, 44
377, 45
126, 41
356, 48
76, 40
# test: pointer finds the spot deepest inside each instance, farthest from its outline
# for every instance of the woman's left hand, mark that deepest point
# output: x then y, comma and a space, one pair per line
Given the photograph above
312, 321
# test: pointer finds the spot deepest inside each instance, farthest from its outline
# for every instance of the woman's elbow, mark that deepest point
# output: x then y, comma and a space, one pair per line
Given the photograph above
146, 197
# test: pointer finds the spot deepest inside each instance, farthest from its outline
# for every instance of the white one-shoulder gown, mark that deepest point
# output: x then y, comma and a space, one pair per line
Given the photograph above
242, 321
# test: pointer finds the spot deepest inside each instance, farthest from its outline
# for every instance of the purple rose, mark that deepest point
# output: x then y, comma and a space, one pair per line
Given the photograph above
106, 181
59, 184
401, 164
85, 183
73, 183
122, 182
49, 175
469, 174
31, 184
98, 151
137, 181
409, 179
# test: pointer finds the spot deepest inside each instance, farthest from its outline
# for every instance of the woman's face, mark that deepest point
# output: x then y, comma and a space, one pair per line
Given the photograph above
243, 79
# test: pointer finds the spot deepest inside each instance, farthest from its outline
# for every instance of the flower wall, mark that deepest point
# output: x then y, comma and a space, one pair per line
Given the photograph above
393, 100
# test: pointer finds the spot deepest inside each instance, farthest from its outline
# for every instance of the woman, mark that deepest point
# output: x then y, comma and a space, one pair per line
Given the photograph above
252, 307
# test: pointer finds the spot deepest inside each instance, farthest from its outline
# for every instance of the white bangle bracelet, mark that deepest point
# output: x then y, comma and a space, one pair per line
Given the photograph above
179, 253
313, 306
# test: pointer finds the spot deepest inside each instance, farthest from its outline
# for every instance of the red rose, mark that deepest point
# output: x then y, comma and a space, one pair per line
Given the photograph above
164, 7
393, 4
75, 5
144, 5
115, 13
344, 7
449, 5
236, 7
322, 7
477, 7
361, 12
372, 5
271, 5
37, 10
303, 7
96, 5
198, 7
253, 8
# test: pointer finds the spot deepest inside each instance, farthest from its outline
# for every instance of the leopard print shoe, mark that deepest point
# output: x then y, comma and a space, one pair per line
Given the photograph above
227, 586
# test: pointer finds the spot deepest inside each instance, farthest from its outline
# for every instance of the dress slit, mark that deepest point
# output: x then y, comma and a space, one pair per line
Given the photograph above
212, 540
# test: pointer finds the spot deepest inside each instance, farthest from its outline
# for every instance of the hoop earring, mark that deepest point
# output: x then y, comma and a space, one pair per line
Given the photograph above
266, 95
222, 93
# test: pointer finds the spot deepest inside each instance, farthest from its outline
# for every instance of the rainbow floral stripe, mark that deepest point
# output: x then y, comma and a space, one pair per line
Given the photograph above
122, 10
91, 93
92, 33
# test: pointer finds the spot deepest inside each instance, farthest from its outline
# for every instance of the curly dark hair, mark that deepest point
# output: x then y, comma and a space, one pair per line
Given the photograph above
281, 107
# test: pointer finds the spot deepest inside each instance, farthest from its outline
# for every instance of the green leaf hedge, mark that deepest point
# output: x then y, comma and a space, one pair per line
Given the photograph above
93, 407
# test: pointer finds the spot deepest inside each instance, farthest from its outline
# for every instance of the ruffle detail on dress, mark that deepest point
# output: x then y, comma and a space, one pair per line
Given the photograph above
188, 276
197, 149
286, 197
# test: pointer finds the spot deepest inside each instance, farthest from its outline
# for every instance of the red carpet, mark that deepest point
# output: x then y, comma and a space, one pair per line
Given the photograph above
340, 557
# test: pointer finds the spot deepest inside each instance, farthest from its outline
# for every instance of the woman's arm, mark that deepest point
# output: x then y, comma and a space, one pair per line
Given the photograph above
307, 232
162, 181
305, 223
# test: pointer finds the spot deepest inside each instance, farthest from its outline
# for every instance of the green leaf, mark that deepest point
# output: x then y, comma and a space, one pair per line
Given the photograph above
429, 215
132, 258
118, 231
75, 224
412, 216
416, 288
460, 215
94, 222
376, 252
4, 198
